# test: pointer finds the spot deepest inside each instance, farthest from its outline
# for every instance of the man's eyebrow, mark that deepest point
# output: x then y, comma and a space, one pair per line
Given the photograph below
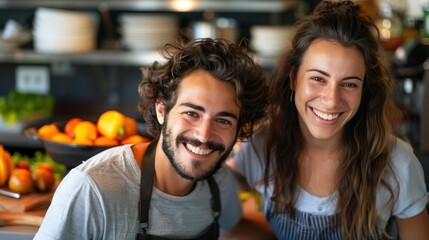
199, 108
328, 75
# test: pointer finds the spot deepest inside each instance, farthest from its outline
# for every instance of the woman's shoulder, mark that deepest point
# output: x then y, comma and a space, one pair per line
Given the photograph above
402, 152
404, 162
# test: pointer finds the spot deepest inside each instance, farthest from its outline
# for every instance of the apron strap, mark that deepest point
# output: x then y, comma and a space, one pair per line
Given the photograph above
146, 184
216, 203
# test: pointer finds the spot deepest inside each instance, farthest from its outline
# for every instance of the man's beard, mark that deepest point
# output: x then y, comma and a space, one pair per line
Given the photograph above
169, 152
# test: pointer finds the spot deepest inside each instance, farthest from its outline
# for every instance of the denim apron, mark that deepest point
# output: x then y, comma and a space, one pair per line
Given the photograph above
306, 226
146, 184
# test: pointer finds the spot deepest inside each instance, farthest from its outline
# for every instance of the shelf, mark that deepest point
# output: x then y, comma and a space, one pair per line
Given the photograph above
160, 5
101, 57
104, 57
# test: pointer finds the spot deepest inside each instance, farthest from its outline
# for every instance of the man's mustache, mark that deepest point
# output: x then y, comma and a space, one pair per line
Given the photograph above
198, 143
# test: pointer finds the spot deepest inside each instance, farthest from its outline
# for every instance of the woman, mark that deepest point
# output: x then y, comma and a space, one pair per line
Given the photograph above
327, 163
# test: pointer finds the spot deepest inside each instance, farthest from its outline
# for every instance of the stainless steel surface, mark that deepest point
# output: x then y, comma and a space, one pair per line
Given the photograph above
97, 57
154, 5
424, 117
10, 194
105, 57
18, 232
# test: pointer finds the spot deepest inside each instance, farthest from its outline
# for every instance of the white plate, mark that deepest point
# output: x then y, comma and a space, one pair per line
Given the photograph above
129, 18
63, 16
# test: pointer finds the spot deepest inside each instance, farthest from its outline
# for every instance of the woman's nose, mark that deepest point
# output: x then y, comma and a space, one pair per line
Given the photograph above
331, 96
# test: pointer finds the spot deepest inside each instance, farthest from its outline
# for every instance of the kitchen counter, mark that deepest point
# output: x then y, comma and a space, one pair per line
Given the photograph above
20, 218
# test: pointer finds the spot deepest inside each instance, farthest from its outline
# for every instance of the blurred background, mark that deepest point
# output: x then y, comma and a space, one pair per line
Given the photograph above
78, 58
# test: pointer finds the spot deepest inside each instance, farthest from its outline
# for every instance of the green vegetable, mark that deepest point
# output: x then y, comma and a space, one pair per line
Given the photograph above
22, 106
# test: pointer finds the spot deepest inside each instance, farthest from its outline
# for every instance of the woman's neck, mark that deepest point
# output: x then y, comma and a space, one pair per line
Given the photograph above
318, 167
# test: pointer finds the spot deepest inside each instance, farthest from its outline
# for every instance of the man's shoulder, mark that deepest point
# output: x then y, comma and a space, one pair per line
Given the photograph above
105, 157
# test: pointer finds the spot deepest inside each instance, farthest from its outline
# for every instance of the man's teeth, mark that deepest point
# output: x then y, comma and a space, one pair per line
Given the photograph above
197, 150
326, 116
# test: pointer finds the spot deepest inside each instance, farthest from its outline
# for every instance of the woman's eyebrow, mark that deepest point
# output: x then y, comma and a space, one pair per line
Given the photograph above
328, 75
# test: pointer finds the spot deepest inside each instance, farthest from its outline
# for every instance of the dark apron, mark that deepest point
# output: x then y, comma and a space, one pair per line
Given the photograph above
146, 185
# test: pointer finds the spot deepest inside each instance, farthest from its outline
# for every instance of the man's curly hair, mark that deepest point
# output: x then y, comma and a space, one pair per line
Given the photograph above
224, 60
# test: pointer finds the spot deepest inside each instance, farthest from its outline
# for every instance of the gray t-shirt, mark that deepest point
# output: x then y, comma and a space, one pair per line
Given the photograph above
99, 200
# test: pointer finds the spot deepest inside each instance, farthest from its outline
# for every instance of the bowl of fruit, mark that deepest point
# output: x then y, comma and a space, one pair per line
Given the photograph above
73, 141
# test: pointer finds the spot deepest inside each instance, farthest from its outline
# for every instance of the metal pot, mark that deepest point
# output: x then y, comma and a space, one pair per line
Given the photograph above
225, 28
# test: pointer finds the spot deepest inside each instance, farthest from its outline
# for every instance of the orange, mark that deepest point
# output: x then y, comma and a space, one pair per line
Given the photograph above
130, 127
135, 139
47, 131
85, 130
104, 141
70, 125
61, 137
82, 141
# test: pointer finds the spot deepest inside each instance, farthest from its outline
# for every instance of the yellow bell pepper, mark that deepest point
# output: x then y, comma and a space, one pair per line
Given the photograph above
111, 124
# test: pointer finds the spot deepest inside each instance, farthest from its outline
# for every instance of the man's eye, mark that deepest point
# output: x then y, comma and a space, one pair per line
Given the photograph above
224, 121
192, 114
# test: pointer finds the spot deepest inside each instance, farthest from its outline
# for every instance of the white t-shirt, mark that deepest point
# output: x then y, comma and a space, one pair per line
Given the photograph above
411, 199
99, 200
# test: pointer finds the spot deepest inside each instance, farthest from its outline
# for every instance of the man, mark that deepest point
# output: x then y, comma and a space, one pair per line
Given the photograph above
207, 94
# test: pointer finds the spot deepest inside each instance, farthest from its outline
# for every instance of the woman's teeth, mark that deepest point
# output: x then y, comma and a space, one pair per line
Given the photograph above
326, 116
197, 150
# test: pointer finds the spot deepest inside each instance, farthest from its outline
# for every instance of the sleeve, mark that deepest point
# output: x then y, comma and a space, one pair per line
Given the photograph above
249, 161
412, 198
230, 202
75, 212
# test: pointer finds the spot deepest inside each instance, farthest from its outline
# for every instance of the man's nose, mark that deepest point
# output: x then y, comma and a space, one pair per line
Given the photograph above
204, 130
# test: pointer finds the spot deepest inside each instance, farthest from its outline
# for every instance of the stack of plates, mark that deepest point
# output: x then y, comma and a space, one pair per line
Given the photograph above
270, 40
147, 31
61, 31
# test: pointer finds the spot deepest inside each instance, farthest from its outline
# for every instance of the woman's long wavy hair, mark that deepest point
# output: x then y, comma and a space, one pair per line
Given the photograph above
226, 61
366, 137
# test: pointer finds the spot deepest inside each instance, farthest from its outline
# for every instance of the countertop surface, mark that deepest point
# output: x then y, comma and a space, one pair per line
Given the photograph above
20, 218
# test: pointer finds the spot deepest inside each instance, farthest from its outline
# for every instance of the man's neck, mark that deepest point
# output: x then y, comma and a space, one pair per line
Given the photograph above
166, 178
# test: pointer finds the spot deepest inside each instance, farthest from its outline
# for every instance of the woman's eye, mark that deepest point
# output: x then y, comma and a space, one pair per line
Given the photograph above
318, 79
350, 85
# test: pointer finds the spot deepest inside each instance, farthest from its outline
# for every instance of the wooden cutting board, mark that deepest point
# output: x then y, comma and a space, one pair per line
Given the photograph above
18, 218
27, 202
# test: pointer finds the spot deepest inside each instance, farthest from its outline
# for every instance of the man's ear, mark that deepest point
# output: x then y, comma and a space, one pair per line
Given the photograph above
160, 111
